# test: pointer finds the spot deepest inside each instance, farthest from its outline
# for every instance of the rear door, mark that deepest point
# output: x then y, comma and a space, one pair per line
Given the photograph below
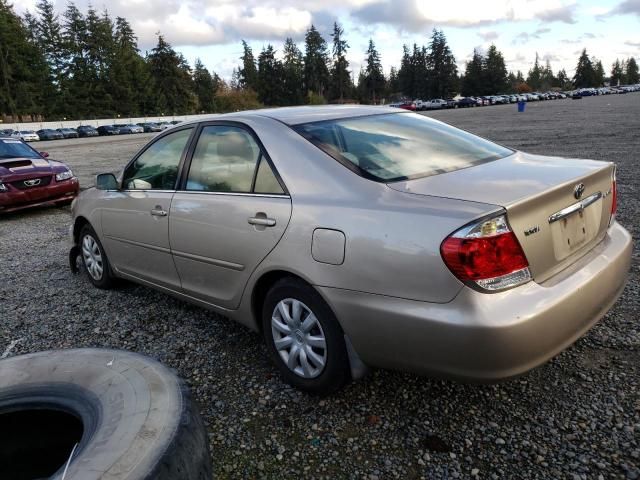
135, 219
229, 214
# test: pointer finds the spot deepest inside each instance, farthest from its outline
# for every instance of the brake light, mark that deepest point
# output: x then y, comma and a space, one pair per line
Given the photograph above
486, 254
614, 198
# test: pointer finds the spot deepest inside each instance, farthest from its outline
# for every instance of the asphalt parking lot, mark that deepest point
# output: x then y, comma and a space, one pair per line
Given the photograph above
577, 417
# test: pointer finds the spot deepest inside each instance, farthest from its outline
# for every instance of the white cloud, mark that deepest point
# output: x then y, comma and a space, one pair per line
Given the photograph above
417, 15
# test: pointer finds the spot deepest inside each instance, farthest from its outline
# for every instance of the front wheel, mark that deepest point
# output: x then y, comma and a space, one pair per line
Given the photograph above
95, 259
304, 338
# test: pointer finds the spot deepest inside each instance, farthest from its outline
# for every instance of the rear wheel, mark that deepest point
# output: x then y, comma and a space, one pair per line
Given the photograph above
95, 259
304, 338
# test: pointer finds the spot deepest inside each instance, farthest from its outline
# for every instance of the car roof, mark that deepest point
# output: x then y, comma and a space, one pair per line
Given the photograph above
307, 114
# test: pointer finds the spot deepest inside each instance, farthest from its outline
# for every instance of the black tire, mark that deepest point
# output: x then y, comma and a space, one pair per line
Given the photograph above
127, 415
336, 372
106, 281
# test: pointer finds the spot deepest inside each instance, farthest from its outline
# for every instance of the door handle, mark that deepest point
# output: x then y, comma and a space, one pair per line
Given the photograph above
158, 211
262, 221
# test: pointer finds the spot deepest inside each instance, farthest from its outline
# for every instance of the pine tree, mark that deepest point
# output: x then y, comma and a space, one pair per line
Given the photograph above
563, 80
598, 71
316, 58
420, 72
393, 82
405, 74
100, 53
76, 84
129, 73
23, 69
374, 80
293, 74
248, 73
534, 78
205, 87
547, 78
441, 64
171, 79
270, 77
585, 73
617, 73
495, 74
631, 75
473, 81
340, 75
50, 42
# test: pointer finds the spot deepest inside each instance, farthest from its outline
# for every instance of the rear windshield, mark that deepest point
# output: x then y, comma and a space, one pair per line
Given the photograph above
16, 149
399, 146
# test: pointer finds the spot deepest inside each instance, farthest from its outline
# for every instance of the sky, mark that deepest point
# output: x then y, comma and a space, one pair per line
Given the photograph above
557, 30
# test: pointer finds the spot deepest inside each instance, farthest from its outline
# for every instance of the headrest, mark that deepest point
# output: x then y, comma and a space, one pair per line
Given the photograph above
234, 144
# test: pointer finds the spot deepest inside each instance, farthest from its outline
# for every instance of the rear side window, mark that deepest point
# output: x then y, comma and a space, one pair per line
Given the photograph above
228, 159
400, 146
266, 181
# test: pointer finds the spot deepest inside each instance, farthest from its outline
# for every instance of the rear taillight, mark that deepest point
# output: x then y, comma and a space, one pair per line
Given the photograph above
486, 254
614, 197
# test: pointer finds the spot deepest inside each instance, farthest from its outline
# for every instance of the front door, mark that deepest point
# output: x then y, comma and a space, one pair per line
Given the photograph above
135, 219
230, 214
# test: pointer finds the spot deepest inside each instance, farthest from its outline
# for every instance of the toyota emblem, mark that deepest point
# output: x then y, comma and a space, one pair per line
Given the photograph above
578, 190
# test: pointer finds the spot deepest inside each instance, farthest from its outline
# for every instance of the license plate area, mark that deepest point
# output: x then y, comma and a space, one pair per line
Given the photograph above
575, 229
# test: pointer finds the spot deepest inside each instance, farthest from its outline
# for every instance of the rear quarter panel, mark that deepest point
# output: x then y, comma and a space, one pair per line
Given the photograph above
392, 238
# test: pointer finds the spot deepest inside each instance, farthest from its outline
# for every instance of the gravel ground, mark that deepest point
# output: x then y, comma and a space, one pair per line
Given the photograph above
577, 417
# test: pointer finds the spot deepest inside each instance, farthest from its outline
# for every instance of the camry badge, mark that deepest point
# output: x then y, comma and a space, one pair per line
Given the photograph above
578, 190
32, 183
532, 230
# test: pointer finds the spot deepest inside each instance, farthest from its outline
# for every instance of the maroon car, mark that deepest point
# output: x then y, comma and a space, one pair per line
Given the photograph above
29, 179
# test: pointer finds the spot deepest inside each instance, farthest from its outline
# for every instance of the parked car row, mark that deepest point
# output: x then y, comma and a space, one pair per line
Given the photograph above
86, 131
588, 92
478, 101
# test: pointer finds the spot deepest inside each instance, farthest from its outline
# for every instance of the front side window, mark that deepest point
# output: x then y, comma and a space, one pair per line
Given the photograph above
226, 159
157, 167
400, 146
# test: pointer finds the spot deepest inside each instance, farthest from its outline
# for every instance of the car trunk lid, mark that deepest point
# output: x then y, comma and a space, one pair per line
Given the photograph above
554, 225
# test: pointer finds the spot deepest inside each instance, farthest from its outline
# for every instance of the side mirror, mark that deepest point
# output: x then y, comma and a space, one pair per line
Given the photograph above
106, 181
44, 154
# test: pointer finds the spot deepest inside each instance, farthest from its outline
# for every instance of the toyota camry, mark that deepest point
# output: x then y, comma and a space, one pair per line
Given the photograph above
28, 178
355, 237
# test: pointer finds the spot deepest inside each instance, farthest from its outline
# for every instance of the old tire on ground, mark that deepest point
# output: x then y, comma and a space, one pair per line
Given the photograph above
128, 417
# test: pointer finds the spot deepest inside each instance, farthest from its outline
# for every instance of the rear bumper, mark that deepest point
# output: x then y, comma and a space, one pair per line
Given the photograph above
55, 192
487, 337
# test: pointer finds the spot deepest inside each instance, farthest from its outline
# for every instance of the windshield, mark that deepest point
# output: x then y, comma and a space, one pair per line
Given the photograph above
400, 146
16, 149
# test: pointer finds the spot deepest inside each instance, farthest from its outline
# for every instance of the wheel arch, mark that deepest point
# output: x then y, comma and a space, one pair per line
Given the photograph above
258, 295
261, 288
78, 224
